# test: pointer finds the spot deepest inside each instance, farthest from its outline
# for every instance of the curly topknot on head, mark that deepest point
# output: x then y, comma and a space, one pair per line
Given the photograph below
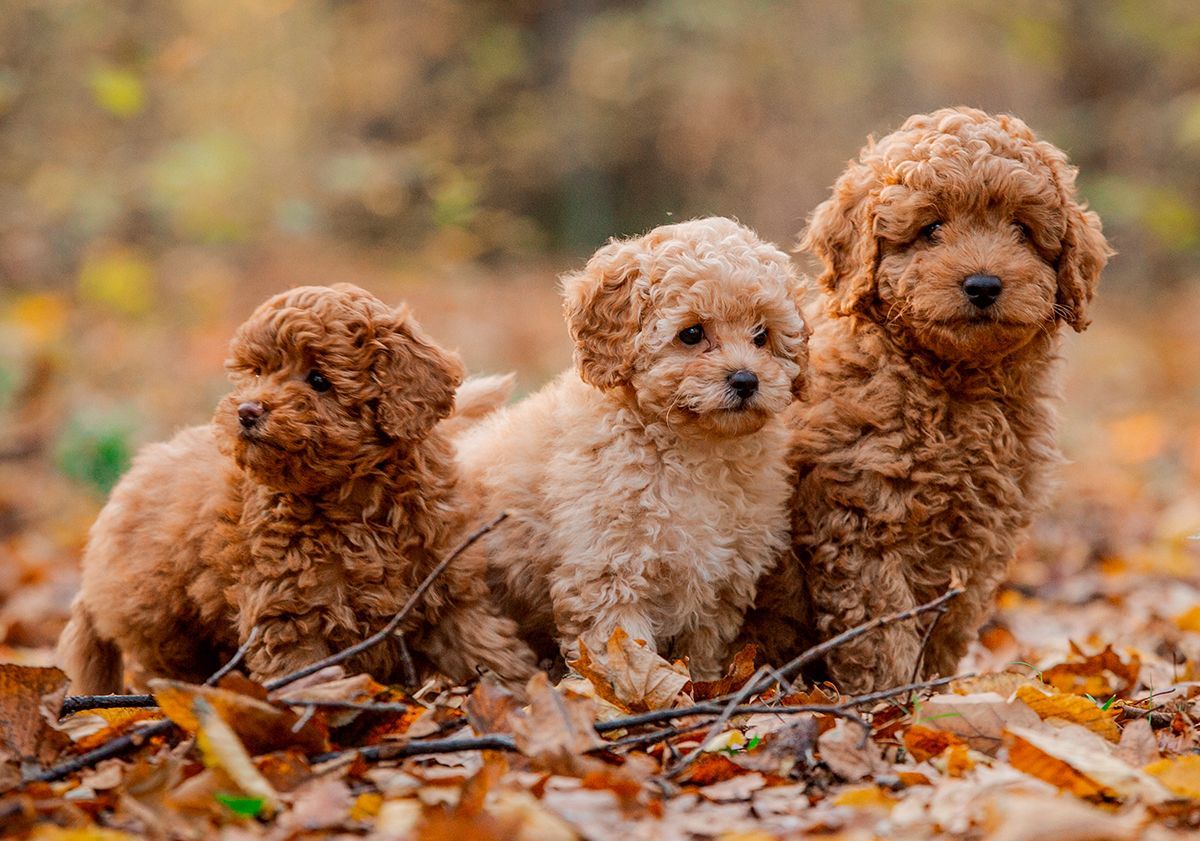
626, 308
326, 379
950, 194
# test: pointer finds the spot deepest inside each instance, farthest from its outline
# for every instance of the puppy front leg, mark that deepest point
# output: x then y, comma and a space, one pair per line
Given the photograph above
285, 643
592, 610
707, 644
847, 590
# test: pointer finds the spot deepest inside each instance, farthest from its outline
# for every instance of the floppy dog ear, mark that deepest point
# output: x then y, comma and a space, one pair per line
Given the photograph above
603, 314
841, 233
417, 379
1084, 254
1085, 251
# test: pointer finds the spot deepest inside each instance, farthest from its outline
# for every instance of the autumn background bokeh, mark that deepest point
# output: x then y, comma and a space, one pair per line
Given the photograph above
166, 164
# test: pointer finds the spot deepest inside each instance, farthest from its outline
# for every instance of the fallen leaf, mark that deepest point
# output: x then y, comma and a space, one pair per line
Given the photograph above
556, 729
1080, 767
222, 750
979, 719
632, 678
261, 726
1138, 746
1104, 674
1181, 775
1071, 708
30, 698
866, 797
925, 742
740, 670
843, 750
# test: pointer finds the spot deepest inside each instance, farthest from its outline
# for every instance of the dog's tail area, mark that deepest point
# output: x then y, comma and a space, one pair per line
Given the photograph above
91, 662
475, 399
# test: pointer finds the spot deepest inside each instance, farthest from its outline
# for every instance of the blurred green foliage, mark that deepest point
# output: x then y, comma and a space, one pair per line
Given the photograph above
95, 448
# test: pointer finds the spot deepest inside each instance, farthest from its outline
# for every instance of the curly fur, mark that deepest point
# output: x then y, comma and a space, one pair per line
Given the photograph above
644, 494
315, 524
925, 448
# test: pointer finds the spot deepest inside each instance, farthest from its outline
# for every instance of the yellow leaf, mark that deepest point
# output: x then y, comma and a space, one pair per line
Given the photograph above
866, 797
47, 832
1189, 620
1181, 775
366, 806
118, 91
221, 749
1071, 708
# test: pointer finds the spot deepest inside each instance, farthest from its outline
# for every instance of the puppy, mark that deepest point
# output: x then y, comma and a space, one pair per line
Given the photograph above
954, 250
648, 486
311, 507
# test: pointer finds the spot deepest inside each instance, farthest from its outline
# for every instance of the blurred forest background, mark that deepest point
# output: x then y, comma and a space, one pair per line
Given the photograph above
166, 164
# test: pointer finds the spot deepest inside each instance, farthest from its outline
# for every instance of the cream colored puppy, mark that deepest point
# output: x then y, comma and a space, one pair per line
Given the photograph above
648, 487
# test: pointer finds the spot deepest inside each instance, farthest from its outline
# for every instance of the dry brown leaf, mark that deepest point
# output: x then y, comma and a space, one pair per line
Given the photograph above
979, 719
261, 726
1073, 708
1079, 765
30, 698
319, 804
1181, 775
740, 670
490, 708
712, 768
1138, 746
1100, 675
632, 678
925, 742
843, 750
556, 728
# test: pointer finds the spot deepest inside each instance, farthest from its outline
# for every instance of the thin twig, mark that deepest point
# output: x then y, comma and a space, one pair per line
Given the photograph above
920, 664
76, 703
117, 747
236, 659
424, 747
386, 631
132, 740
410, 670
741, 695
817, 651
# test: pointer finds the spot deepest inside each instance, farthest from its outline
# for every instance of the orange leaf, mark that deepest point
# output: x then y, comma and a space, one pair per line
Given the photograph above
925, 743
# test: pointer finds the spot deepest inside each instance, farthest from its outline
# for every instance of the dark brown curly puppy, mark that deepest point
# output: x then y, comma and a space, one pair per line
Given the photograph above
953, 249
311, 507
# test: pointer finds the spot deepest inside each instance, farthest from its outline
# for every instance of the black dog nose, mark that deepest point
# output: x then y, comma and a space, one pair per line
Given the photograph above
982, 290
249, 413
744, 383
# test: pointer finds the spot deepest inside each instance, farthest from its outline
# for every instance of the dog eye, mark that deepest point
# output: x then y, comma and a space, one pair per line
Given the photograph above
1023, 231
930, 230
760, 337
691, 335
317, 381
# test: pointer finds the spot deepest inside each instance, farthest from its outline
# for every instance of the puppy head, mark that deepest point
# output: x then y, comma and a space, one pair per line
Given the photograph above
963, 231
699, 321
326, 382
